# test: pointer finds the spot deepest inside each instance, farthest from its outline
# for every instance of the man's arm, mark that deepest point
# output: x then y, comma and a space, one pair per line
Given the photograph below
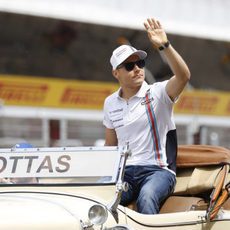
110, 137
181, 72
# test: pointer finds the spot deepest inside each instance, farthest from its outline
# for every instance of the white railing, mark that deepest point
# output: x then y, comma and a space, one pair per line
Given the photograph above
84, 127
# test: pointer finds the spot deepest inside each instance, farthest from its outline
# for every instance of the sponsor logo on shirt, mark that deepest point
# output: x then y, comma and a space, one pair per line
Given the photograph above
147, 101
116, 111
121, 119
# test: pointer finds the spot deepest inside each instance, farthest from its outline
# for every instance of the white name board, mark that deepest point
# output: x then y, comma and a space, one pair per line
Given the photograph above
51, 162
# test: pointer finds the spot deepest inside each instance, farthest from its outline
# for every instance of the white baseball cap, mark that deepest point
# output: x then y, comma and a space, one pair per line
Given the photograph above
121, 53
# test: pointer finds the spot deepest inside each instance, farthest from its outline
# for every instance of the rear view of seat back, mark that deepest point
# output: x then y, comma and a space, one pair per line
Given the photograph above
200, 169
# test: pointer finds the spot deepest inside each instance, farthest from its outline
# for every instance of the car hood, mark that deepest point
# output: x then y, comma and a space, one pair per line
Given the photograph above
43, 210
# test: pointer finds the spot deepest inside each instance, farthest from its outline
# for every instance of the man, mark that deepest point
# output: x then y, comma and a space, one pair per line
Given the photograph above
141, 115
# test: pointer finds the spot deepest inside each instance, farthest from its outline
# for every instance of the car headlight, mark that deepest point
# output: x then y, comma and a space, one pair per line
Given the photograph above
97, 214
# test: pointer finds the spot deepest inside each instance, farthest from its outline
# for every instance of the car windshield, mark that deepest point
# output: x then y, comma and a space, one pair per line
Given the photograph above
81, 165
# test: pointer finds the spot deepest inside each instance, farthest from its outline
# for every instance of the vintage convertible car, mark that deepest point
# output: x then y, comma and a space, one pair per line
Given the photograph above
80, 188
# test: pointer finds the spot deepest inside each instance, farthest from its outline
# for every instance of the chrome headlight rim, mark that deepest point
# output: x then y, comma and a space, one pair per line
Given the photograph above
121, 227
98, 214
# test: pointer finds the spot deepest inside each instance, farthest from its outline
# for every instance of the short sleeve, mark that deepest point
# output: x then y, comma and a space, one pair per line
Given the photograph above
106, 120
159, 89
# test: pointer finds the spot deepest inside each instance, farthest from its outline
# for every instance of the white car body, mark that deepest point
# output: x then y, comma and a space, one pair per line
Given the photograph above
80, 188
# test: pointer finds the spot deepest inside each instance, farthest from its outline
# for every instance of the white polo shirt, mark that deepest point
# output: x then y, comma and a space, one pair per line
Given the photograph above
142, 122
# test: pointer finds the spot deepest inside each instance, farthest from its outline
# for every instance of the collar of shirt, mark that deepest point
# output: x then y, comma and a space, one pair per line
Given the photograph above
141, 92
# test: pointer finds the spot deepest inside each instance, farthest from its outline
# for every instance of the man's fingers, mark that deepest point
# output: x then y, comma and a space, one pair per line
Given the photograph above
146, 26
154, 22
159, 24
151, 23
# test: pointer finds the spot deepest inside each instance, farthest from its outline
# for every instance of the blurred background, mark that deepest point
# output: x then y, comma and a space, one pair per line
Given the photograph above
55, 71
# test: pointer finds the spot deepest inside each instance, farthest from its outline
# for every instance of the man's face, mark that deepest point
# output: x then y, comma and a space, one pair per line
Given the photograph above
130, 79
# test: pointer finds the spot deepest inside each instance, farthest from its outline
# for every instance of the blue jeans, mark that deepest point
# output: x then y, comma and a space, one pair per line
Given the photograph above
149, 185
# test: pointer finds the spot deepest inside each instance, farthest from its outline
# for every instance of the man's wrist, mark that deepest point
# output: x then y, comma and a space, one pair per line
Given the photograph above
164, 46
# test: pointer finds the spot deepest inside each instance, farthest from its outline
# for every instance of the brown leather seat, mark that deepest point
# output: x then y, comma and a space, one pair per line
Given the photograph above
181, 204
226, 205
132, 206
178, 204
